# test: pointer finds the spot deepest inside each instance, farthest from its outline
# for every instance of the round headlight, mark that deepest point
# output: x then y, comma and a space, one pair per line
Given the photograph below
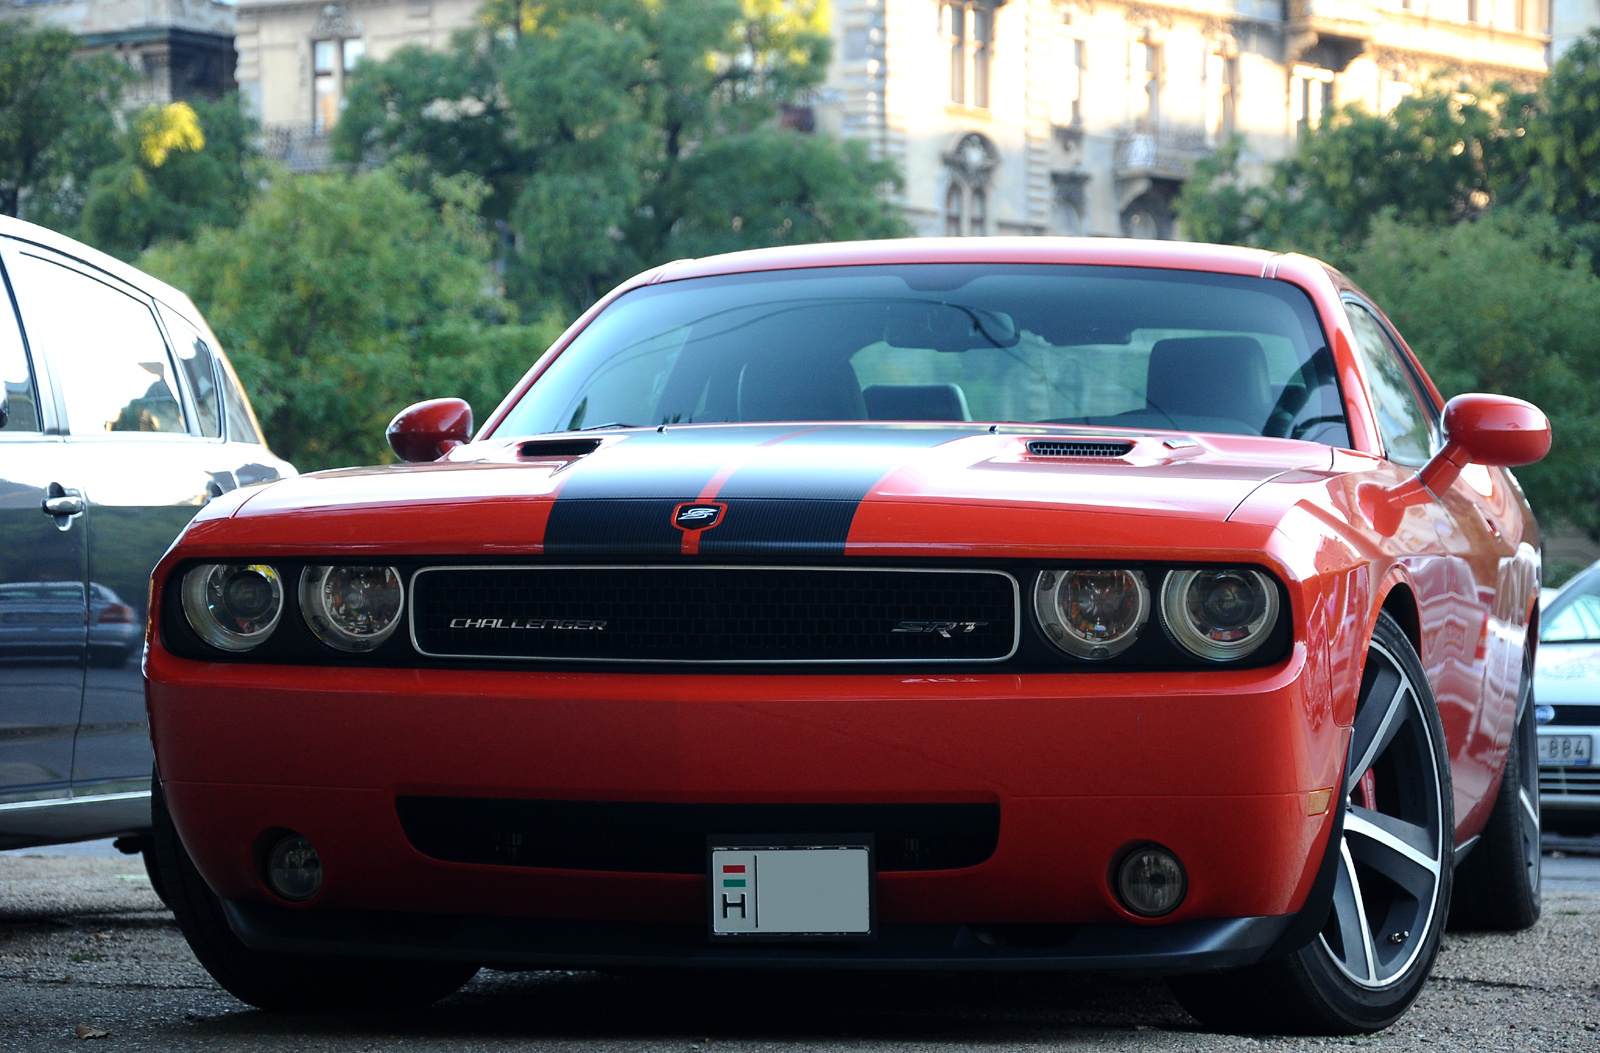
1091, 614
233, 606
352, 608
1219, 614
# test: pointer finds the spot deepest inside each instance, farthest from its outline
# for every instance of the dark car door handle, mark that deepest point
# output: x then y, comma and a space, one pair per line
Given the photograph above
59, 501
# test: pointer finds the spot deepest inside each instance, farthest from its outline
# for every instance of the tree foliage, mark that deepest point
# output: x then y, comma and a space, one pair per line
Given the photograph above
344, 298
617, 134
183, 166
1441, 155
1504, 304
57, 121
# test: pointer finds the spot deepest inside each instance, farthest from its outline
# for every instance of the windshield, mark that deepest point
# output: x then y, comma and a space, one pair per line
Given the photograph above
1115, 346
1574, 615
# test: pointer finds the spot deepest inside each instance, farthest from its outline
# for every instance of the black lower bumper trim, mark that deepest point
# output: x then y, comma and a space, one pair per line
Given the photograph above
520, 943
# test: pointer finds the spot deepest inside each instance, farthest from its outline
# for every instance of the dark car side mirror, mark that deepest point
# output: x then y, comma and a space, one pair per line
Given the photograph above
1495, 430
429, 430
5, 406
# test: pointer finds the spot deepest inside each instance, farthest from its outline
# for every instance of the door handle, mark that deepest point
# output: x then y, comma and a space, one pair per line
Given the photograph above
60, 501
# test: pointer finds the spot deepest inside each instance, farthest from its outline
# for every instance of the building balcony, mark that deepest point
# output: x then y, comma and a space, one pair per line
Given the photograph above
1161, 152
1330, 33
299, 147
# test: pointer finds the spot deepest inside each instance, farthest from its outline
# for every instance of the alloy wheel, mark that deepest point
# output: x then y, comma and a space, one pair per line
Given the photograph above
1392, 849
1528, 779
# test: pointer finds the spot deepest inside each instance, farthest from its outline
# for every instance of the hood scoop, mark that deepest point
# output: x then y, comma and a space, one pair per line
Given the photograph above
1096, 448
556, 449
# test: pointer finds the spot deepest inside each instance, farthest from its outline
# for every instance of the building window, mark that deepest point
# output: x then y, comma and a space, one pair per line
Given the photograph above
331, 64
1310, 98
1222, 88
966, 202
1144, 68
969, 30
1069, 221
1069, 62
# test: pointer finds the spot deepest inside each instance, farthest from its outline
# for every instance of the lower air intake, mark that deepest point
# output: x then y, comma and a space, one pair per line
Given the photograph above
665, 838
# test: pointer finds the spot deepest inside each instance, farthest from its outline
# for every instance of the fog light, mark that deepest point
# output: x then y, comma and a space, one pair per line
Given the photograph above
294, 870
1151, 882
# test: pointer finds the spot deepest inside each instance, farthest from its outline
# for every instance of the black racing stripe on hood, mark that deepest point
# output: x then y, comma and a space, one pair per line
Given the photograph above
780, 506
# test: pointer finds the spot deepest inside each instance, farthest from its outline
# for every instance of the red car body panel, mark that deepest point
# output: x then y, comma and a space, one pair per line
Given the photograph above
1218, 764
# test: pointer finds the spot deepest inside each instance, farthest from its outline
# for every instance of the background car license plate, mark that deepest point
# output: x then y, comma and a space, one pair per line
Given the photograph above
792, 891
1565, 749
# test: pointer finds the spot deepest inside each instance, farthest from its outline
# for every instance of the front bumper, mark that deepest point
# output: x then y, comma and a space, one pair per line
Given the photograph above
1570, 788
532, 944
1217, 765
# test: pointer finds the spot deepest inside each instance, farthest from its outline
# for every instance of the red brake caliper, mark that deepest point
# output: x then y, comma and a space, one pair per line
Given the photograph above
1367, 790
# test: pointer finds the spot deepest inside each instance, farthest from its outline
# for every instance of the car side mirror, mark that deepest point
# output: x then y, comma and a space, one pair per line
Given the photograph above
429, 430
1495, 430
5, 406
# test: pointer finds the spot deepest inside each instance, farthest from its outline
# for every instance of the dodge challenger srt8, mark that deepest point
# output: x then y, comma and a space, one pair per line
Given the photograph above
1003, 604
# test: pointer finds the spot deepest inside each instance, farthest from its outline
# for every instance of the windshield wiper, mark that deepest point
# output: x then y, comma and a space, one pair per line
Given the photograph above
613, 424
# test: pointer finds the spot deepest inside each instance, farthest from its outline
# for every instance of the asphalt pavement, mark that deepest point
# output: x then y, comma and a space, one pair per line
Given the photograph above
85, 944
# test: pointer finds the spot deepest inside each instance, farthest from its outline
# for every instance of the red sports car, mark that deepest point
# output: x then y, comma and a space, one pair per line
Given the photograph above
996, 604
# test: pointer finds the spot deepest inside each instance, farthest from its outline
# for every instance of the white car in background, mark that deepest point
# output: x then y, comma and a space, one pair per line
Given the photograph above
1567, 692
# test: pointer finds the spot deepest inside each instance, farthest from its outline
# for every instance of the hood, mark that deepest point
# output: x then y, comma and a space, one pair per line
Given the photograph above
785, 489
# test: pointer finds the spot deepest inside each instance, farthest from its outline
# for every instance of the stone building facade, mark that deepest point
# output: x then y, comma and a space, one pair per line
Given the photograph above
181, 49
294, 56
1569, 20
1086, 116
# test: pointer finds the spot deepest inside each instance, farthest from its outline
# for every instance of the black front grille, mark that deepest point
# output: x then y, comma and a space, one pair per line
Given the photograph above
1066, 448
661, 838
714, 614
1576, 715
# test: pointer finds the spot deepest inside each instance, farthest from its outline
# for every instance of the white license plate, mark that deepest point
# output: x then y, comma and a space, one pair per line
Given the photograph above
791, 891
1566, 750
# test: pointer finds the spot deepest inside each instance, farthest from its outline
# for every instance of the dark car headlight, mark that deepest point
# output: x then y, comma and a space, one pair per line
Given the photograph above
1221, 614
1091, 613
233, 606
352, 608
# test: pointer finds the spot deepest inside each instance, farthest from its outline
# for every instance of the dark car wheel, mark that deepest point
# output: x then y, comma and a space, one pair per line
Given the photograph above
1497, 885
285, 982
1392, 876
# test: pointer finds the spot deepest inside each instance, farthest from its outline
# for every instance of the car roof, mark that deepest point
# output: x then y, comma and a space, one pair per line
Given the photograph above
1116, 252
173, 297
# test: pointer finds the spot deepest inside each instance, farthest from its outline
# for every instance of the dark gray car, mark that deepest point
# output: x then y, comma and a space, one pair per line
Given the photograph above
121, 418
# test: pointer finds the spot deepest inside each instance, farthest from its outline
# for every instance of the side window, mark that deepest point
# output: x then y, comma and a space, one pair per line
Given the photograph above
199, 367
21, 398
241, 423
1406, 428
103, 346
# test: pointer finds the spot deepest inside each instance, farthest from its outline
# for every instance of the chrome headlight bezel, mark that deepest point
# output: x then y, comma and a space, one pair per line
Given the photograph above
1194, 638
1047, 586
202, 593
324, 623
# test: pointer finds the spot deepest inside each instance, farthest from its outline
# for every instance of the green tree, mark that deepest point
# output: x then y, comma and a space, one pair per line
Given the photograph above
617, 134
57, 121
344, 298
1564, 141
1523, 308
183, 166
1441, 155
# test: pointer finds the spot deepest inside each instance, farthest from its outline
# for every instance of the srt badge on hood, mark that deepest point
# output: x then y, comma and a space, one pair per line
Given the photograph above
698, 515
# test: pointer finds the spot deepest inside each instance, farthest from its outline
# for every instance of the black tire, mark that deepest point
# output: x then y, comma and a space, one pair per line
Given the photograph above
1497, 885
153, 869
1392, 890
285, 982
